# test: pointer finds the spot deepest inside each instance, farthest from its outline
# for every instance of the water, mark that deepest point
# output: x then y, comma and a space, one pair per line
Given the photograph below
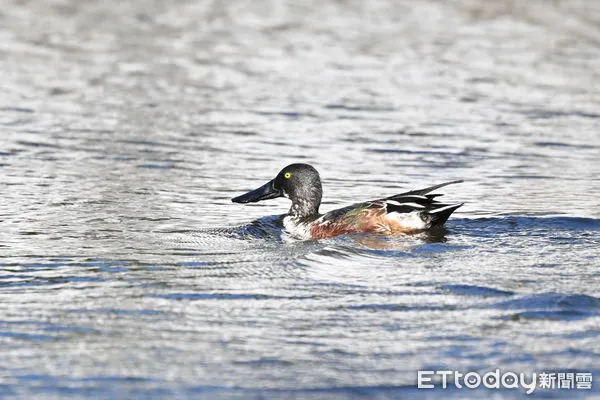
125, 129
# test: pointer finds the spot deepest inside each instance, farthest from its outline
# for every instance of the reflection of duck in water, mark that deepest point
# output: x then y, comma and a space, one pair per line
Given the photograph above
406, 213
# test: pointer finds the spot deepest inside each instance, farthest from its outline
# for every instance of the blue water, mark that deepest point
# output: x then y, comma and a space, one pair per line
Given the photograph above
126, 128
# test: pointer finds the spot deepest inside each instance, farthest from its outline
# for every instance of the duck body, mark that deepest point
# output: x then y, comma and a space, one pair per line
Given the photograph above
407, 213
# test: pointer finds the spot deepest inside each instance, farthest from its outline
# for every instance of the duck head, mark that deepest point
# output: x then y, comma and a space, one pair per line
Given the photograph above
298, 182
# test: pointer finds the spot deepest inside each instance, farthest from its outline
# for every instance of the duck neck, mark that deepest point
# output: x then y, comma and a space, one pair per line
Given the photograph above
303, 208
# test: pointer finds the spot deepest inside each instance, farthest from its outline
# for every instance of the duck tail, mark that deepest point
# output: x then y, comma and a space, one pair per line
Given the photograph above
438, 216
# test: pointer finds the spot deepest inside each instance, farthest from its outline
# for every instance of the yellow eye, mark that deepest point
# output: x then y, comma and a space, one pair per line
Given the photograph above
287, 175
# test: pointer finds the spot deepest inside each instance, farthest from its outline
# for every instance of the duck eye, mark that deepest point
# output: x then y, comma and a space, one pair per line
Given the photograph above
287, 175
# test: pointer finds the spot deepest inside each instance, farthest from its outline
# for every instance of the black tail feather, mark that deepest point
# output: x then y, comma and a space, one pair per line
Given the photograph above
441, 214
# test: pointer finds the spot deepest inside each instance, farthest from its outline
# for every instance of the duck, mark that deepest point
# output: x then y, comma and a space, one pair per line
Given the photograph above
408, 213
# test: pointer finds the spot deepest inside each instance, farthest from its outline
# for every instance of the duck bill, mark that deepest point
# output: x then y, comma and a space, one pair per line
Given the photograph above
265, 192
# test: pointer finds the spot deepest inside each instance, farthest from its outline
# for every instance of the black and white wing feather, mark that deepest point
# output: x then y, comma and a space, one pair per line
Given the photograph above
431, 211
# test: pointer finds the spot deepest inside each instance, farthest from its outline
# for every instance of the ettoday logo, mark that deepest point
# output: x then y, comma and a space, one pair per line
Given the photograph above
506, 380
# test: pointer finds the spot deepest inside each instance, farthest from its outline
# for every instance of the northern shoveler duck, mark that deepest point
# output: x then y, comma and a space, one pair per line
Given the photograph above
405, 213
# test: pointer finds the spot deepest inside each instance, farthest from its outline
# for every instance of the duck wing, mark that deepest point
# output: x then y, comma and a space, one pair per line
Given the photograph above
409, 212
431, 211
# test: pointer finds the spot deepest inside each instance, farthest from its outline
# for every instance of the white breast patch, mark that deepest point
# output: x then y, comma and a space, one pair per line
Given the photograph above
295, 228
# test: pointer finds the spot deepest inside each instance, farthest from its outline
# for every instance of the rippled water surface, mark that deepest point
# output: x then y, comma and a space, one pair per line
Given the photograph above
126, 127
